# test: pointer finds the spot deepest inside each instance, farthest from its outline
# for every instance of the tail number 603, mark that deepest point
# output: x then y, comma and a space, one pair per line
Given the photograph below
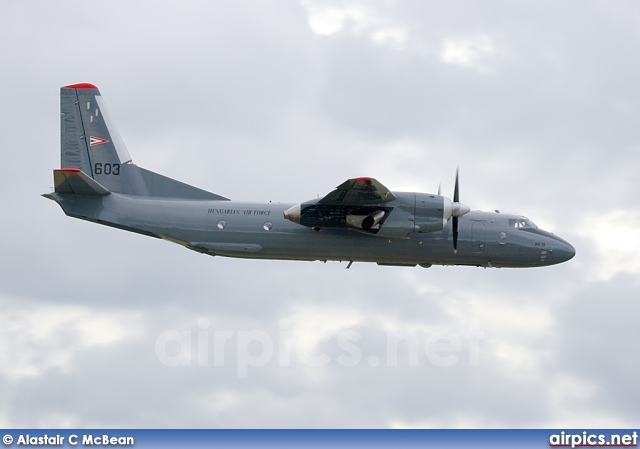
106, 169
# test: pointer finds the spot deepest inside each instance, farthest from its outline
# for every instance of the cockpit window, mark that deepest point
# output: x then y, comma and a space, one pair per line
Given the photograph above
521, 223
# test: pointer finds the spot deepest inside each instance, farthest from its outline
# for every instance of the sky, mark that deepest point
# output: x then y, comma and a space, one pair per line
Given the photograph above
537, 102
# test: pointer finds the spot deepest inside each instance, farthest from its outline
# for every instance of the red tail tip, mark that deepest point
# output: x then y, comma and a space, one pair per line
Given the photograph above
80, 86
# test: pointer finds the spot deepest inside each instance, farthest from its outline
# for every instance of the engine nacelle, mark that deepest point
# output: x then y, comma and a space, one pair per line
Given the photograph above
430, 212
408, 213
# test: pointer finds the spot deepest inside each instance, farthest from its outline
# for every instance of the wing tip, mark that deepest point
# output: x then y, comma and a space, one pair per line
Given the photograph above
80, 86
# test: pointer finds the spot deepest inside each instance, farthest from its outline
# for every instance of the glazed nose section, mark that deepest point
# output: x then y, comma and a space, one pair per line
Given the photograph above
564, 251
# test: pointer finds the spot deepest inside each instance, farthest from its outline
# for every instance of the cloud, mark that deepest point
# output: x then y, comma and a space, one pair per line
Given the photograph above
614, 236
38, 338
467, 52
326, 20
358, 19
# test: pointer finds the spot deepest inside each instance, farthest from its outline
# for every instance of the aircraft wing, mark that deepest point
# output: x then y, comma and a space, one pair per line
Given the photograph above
358, 191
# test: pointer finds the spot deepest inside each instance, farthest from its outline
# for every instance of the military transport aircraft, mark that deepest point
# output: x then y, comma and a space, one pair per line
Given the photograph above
360, 221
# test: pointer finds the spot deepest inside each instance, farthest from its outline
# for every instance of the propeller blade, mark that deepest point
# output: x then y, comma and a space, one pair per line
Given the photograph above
454, 230
454, 209
456, 192
455, 221
439, 189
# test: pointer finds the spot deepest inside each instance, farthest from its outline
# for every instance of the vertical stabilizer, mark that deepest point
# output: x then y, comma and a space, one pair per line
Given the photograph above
90, 141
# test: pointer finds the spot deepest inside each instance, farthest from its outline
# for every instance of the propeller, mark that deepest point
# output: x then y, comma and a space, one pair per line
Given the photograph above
454, 222
457, 210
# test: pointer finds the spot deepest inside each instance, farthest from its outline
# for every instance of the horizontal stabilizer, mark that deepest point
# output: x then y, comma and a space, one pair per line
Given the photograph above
73, 180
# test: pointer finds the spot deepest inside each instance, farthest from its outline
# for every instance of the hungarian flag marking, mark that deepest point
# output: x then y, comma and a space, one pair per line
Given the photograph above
93, 141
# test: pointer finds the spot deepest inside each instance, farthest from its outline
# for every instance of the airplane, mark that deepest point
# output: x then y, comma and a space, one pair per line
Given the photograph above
360, 221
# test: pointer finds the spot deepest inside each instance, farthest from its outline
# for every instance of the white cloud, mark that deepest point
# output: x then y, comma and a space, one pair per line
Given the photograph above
327, 20
565, 394
470, 52
390, 36
356, 18
37, 338
615, 237
311, 325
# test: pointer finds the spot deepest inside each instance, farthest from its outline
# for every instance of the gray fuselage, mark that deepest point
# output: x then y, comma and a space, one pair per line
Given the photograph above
259, 230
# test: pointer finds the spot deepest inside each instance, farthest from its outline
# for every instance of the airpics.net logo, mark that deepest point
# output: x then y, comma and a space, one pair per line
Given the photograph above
593, 439
287, 345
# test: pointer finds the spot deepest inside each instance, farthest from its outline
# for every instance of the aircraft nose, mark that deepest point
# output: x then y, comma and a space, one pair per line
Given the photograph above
564, 251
